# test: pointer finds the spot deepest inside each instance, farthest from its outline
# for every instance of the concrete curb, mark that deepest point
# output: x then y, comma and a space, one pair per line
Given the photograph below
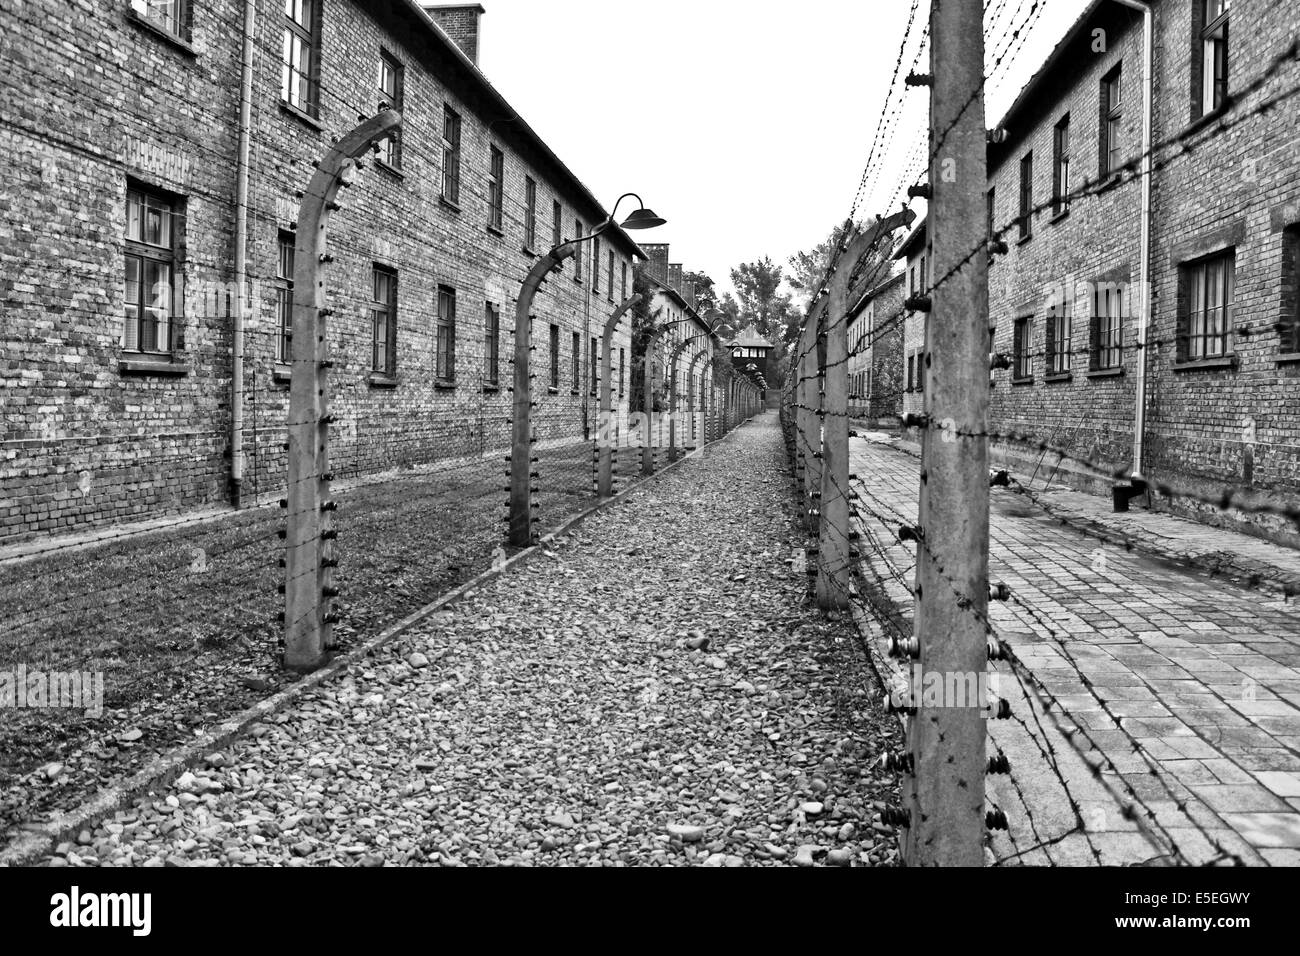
38, 840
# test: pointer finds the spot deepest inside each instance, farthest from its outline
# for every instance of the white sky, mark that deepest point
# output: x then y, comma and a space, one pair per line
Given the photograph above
745, 123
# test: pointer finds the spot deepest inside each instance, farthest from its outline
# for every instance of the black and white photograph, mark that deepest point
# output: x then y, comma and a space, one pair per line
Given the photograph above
690, 433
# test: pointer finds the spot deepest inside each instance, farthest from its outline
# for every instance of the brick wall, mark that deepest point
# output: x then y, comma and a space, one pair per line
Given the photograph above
88, 441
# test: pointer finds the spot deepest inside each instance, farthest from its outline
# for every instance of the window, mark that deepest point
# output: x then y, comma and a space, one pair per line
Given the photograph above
1061, 167
623, 296
577, 259
575, 380
491, 345
1058, 333
496, 180
1106, 335
1026, 219
992, 225
1023, 362
300, 69
920, 371
445, 359
1210, 62
383, 320
595, 266
622, 372
593, 358
557, 224
555, 357
450, 155
1111, 112
609, 291
1207, 322
530, 213
911, 373
284, 295
390, 95
150, 260
168, 14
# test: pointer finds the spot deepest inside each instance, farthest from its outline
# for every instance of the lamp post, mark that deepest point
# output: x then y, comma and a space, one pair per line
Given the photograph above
521, 453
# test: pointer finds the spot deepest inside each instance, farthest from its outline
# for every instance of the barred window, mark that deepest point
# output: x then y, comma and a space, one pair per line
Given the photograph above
609, 291
496, 187
622, 372
557, 224
152, 292
577, 259
300, 68
445, 360
284, 295
383, 320
595, 266
623, 295
592, 358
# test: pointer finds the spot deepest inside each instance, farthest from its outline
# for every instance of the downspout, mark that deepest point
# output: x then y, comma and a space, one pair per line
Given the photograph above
241, 260
1144, 274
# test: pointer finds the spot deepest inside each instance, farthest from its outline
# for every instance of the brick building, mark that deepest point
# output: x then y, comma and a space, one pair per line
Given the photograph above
119, 226
914, 253
1216, 378
876, 353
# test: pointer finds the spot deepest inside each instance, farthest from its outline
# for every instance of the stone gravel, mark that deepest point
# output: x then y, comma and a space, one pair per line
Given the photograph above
653, 689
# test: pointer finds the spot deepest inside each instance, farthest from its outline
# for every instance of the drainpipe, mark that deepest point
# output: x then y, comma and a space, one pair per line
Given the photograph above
1144, 277
241, 260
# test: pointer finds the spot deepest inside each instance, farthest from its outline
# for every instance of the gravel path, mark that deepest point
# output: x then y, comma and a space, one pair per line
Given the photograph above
655, 690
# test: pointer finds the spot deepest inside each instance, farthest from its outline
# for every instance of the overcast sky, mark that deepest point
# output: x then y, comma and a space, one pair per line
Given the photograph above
745, 123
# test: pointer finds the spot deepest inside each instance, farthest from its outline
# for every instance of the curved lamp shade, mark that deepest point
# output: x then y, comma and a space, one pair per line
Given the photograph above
643, 219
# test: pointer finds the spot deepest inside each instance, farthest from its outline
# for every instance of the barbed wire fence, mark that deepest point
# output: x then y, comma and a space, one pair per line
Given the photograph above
861, 561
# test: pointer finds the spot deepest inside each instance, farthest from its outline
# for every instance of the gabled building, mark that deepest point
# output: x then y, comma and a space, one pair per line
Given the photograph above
876, 353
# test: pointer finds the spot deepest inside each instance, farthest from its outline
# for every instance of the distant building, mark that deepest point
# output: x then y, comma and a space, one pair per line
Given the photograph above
751, 355
876, 353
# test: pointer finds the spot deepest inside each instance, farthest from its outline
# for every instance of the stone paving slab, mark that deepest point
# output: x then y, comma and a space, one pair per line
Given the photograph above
1200, 673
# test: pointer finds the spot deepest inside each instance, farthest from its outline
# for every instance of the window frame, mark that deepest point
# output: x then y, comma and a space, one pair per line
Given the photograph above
1022, 356
595, 266
1194, 330
285, 238
1110, 130
530, 213
451, 154
555, 357
491, 345
496, 188
309, 36
1211, 46
1026, 218
622, 371
1106, 333
1061, 167
390, 147
164, 254
575, 363
444, 358
1058, 329
388, 309
594, 354
176, 24
609, 291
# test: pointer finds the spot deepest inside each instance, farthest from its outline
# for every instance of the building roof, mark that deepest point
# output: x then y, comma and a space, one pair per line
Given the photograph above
874, 293
747, 338
484, 98
1046, 83
914, 242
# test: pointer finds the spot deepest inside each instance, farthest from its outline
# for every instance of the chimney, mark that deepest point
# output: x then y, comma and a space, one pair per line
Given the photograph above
460, 22
657, 261
675, 277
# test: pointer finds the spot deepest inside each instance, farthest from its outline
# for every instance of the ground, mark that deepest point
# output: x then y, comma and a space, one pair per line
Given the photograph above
1182, 687
655, 689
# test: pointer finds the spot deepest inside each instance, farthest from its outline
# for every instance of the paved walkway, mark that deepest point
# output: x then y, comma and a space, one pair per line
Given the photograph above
653, 691
1163, 667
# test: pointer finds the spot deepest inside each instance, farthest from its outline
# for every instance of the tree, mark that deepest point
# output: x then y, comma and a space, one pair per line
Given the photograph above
706, 296
809, 267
